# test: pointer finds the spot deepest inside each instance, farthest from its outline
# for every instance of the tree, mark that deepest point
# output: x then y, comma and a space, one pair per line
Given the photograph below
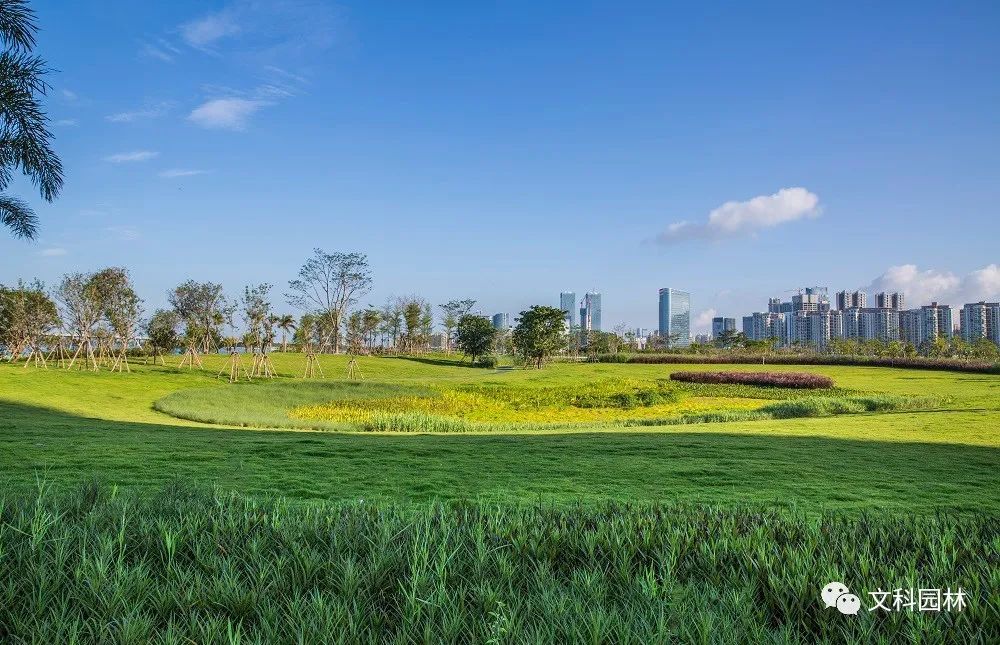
122, 309
27, 315
305, 333
539, 333
370, 320
24, 135
412, 318
328, 284
475, 336
391, 325
162, 332
729, 339
286, 323
259, 323
453, 311
79, 294
602, 342
203, 309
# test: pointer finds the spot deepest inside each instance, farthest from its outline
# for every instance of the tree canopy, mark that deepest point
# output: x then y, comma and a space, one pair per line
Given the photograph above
327, 286
539, 333
25, 139
475, 336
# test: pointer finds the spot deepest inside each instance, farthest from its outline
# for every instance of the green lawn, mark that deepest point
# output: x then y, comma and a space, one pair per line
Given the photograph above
119, 523
70, 426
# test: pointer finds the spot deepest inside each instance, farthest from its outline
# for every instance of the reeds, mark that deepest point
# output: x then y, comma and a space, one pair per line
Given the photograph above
196, 565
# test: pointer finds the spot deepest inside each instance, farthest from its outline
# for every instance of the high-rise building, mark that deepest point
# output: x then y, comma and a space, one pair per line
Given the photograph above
885, 300
567, 302
878, 324
590, 312
936, 321
775, 306
851, 300
501, 321
910, 327
765, 325
592, 303
814, 328
979, 320
811, 299
675, 317
720, 325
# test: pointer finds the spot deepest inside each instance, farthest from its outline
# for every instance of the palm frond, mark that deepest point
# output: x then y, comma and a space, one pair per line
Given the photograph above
17, 24
16, 215
24, 133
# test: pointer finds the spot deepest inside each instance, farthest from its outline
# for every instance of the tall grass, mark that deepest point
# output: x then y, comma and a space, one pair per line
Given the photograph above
812, 406
193, 565
266, 405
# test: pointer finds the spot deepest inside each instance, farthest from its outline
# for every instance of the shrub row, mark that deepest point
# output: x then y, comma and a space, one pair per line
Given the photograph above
766, 379
914, 362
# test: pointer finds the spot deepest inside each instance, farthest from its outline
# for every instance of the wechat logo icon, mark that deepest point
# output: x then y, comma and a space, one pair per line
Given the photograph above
836, 594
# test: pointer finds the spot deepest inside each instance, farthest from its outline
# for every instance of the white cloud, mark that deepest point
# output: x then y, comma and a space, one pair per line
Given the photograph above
264, 32
207, 30
162, 51
225, 114
149, 112
65, 123
735, 219
69, 95
52, 252
703, 321
931, 285
130, 157
124, 233
180, 172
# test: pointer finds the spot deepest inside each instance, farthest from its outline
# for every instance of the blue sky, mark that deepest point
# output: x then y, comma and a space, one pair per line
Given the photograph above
506, 153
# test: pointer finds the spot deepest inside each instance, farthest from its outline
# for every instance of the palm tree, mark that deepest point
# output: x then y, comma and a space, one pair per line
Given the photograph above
24, 134
286, 324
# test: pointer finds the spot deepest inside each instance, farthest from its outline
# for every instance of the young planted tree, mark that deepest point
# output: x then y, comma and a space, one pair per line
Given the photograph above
203, 310
79, 295
327, 286
370, 320
414, 313
602, 342
391, 326
451, 312
306, 337
25, 140
27, 316
162, 332
122, 311
539, 333
476, 336
259, 328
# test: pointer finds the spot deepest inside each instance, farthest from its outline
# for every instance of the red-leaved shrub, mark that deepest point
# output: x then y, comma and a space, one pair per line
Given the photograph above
769, 379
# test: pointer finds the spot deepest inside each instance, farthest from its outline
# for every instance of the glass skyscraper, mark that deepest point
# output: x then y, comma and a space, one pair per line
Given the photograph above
675, 317
567, 302
592, 307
